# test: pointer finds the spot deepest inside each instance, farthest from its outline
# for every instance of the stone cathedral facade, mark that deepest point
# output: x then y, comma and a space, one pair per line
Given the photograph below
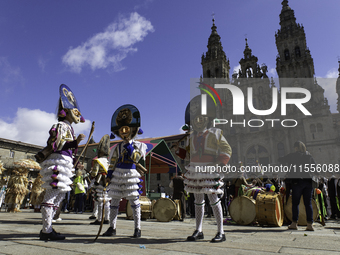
266, 138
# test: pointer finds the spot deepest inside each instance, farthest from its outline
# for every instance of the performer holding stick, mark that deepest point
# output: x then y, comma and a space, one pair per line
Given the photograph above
208, 147
58, 160
124, 174
98, 175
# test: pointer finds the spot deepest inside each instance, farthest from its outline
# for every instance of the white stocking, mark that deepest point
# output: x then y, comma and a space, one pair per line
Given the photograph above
135, 206
217, 210
46, 212
114, 212
95, 209
199, 211
107, 210
47, 209
60, 197
100, 211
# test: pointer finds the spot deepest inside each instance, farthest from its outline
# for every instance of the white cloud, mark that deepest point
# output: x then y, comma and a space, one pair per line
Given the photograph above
9, 75
333, 73
42, 63
32, 126
111, 46
329, 85
272, 73
236, 68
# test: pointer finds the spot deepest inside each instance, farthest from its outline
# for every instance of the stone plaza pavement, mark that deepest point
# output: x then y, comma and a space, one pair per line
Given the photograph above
19, 235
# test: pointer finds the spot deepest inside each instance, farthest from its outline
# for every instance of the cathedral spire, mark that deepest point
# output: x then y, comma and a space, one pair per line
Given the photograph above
294, 59
215, 63
249, 66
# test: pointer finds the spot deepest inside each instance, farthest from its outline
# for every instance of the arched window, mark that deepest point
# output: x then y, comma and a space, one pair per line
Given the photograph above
297, 51
216, 72
257, 152
286, 52
280, 149
208, 73
319, 127
312, 128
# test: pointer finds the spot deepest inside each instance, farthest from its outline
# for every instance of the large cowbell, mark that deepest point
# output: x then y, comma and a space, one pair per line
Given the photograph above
68, 100
194, 109
126, 115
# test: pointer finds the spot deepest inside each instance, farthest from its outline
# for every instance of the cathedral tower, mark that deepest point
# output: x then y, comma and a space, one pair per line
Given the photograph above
215, 63
294, 63
294, 59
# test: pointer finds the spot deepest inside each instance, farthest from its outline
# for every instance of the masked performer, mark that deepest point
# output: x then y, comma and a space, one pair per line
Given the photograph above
17, 185
58, 160
124, 176
208, 147
98, 175
37, 193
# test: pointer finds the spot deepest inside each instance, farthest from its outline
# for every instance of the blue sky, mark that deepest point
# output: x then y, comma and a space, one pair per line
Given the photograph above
143, 53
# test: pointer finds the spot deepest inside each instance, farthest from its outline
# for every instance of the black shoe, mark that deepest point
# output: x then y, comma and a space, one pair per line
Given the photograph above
92, 217
54, 231
51, 236
96, 222
110, 232
57, 233
196, 235
106, 221
138, 233
218, 238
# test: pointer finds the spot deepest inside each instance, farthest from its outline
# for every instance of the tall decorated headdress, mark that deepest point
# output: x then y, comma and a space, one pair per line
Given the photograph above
126, 116
194, 109
68, 101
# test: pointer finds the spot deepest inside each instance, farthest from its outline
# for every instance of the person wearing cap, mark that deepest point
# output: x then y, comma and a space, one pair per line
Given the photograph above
58, 159
206, 147
124, 174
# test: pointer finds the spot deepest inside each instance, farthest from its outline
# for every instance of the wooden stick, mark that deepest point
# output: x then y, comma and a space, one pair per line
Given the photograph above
86, 145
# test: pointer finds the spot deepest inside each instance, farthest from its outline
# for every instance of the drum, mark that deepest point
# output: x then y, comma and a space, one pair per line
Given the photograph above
242, 210
302, 221
164, 209
153, 202
269, 209
178, 215
145, 207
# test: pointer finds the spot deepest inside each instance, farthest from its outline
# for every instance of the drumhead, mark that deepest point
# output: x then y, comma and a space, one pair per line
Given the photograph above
242, 210
302, 221
164, 209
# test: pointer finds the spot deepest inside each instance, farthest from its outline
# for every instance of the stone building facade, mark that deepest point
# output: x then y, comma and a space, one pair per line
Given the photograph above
11, 151
255, 138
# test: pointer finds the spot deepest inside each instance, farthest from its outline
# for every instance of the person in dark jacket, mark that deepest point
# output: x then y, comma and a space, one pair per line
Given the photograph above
301, 182
177, 183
